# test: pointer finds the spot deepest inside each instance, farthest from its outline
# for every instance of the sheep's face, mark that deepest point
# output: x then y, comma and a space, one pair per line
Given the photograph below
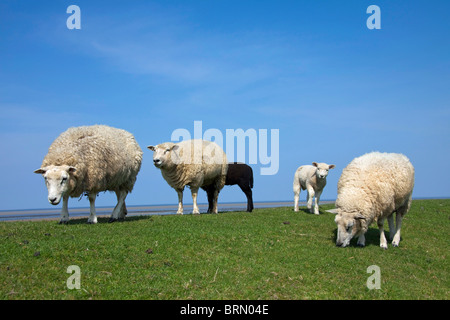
348, 225
162, 154
322, 169
57, 180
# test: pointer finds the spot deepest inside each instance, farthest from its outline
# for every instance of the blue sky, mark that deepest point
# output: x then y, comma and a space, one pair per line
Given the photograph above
311, 69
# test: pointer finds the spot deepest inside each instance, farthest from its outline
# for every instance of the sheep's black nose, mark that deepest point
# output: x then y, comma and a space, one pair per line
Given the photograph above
156, 161
52, 200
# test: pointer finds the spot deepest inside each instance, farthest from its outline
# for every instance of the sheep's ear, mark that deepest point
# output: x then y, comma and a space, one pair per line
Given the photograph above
72, 169
174, 147
315, 164
41, 170
153, 148
359, 216
331, 166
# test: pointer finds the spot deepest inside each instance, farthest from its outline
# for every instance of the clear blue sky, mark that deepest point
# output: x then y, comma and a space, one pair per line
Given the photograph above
311, 69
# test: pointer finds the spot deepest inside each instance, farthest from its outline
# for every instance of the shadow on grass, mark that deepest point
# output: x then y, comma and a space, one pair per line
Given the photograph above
106, 220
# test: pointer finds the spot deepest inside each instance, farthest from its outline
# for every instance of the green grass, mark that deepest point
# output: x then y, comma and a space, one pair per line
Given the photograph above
272, 253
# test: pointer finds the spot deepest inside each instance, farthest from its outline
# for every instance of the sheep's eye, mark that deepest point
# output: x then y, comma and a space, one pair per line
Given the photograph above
349, 227
64, 179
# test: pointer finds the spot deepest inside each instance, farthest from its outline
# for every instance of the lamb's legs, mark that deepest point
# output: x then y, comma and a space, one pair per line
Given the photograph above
316, 202
383, 242
310, 199
65, 211
180, 201
194, 192
92, 217
248, 193
297, 191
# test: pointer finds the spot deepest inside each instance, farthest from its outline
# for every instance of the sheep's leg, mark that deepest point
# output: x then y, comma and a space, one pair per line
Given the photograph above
65, 211
398, 220
245, 187
297, 190
399, 216
194, 192
316, 202
215, 196
249, 199
180, 201
121, 195
391, 227
210, 193
361, 240
123, 211
383, 242
310, 199
92, 217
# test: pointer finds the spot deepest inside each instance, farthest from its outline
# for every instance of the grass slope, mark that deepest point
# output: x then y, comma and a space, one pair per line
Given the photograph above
272, 253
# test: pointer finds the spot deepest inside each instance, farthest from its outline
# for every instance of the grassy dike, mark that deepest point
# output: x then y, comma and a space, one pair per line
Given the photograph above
272, 253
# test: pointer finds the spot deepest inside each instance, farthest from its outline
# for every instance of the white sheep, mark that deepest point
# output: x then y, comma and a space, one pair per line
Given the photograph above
193, 163
313, 179
371, 188
90, 159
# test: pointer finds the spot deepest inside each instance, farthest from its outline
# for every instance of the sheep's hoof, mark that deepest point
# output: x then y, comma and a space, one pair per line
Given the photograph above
63, 222
361, 245
111, 220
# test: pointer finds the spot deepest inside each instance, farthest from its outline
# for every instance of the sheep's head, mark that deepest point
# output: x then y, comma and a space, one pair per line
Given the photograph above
322, 169
162, 154
57, 180
348, 225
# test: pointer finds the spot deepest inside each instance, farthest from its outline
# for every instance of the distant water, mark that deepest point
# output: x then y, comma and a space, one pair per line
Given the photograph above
39, 214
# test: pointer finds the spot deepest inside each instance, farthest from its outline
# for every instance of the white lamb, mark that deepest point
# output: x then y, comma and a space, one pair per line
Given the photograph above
371, 188
90, 159
313, 179
193, 163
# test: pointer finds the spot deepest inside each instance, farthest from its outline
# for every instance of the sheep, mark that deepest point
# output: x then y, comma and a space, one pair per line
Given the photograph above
240, 174
194, 163
371, 188
313, 179
90, 159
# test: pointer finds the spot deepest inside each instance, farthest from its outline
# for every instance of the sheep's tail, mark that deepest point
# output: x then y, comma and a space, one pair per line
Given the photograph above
251, 178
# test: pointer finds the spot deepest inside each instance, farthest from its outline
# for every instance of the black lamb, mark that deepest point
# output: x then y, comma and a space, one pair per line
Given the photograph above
240, 174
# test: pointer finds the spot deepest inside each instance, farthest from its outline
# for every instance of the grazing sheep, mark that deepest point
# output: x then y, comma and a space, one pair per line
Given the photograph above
240, 174
193, 163
90, 159
371, 188
313, 179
